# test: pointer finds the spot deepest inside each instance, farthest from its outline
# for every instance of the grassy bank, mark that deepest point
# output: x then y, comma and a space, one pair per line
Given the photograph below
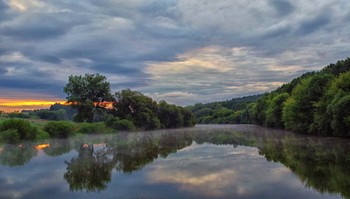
18, 129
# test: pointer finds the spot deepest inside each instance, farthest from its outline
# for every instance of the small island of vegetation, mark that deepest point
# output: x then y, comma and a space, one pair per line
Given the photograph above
93, 109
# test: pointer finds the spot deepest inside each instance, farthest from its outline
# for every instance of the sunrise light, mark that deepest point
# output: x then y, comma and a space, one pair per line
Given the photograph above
11, 105
29, 103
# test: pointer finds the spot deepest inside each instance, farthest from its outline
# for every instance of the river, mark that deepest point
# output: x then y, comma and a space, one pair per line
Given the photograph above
207, 161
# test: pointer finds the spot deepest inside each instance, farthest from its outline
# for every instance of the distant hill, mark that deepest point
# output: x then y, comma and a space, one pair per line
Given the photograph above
222, 112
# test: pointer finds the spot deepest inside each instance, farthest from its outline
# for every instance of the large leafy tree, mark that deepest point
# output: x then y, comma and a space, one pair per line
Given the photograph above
338, 109
87, 94
299, 109
274, 112
138, 108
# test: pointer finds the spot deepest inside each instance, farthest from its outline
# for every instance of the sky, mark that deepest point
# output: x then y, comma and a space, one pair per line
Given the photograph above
180, 51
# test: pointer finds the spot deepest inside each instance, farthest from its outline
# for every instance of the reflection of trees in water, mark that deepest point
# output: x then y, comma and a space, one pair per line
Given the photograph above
320, 163
91, 170
135, 155
17, 155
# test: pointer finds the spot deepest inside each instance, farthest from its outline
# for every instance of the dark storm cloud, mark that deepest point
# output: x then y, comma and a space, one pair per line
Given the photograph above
283, 7
111, 67
37, 85
48, 58
3, 8
311, 25
164, 8
2, 71
132, 83
40, 26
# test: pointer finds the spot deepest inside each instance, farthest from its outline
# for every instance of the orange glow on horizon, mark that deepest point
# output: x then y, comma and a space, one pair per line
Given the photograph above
11, 105
29, 103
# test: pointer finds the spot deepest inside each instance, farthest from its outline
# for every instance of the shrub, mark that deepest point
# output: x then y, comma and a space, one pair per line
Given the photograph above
24, 129
17, 115
89, 128
41, 135
123, 125
109, 120
59, 129
11, 135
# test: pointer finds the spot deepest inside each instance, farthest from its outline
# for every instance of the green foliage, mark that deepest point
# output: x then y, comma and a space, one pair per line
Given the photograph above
59, 129
289, 114
260, 109
314, 103
188, 117
109, 120
224, 112
50, 115
123, 125
11, 135
87, 94
340, 111
91, 128
204, 112
24, 129
138, 108
170, 116
299, 116
146, 114
299, 108
332, 110
17, 115
340, 67
274, 112
70, 112
42, 135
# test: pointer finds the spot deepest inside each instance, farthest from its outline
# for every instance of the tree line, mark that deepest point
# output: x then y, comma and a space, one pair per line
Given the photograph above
91, 97
314, 103
223, 112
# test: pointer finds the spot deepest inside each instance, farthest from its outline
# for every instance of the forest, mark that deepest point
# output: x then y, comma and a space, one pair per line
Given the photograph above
315, 103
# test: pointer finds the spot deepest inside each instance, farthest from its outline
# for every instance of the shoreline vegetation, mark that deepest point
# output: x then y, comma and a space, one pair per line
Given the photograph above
316, 103
93, 109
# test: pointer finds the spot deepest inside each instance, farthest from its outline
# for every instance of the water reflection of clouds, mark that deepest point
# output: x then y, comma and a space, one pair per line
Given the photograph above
42, 176
223, 171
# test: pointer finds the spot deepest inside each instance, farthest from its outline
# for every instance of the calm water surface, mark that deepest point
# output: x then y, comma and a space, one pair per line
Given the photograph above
208, 161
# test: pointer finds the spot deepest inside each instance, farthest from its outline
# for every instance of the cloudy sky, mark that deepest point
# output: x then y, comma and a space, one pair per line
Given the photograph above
181, 51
